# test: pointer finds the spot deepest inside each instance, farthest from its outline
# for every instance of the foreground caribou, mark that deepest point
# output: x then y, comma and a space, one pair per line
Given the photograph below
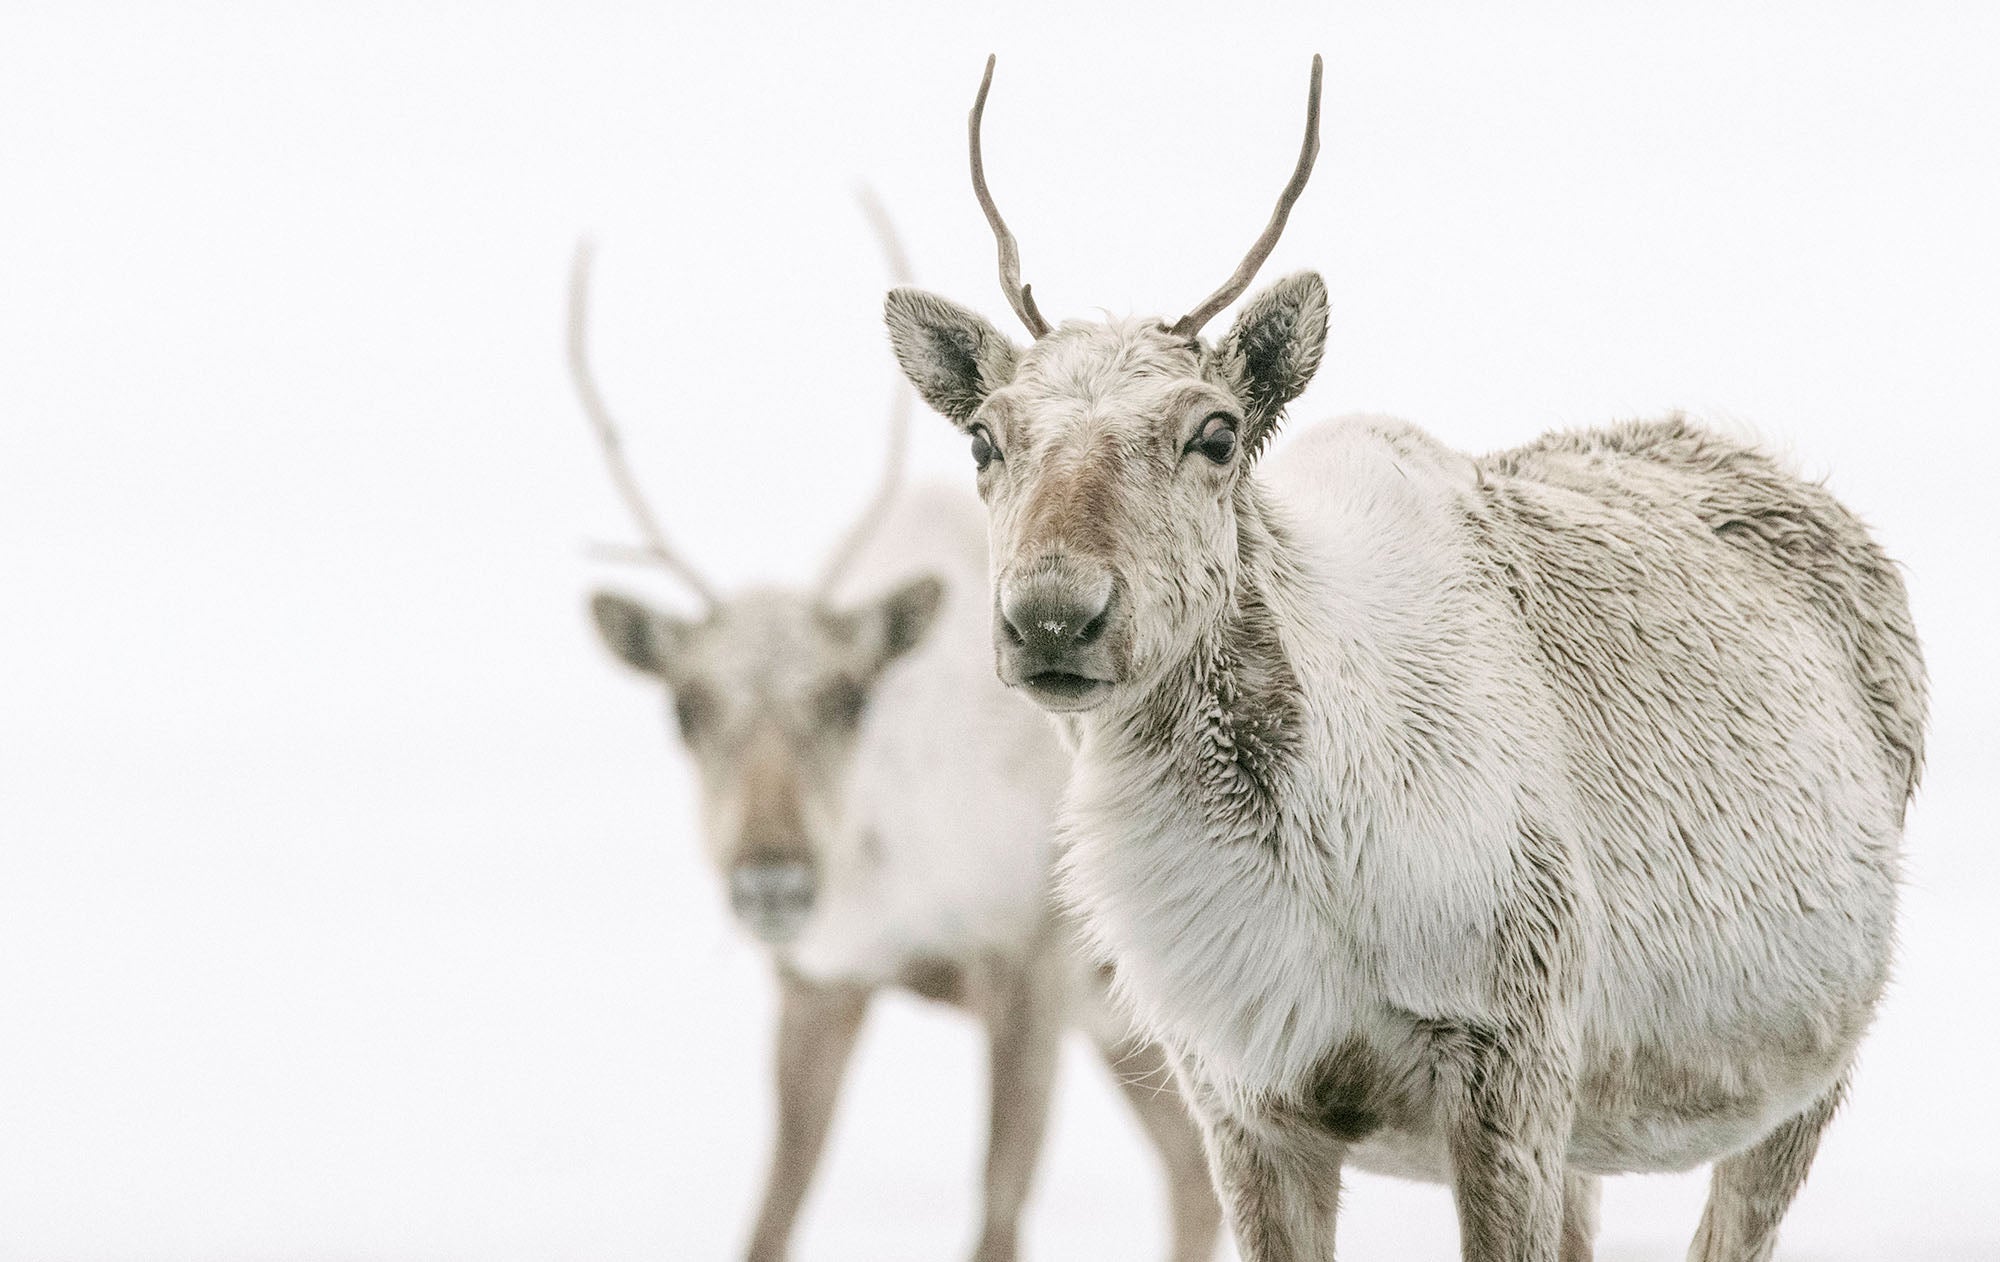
1506, 821
882, 813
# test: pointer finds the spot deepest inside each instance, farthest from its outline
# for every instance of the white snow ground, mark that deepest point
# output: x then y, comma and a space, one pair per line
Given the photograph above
348, 907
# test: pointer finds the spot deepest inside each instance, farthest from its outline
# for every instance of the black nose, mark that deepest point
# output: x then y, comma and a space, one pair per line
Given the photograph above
773, 897
1051, 617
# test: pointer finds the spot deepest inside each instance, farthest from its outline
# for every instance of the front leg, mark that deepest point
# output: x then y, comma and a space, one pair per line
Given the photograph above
1279, 1185
1278, 1176
1508, 1140
817, 1026
1510, 1078
1024, 1011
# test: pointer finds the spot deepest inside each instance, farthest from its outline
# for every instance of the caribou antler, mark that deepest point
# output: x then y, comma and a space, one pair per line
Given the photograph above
1018, 296
656, 547
899, 416
1190, 324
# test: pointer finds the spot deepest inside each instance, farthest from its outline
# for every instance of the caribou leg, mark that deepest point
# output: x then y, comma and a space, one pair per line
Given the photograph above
1024, 1011
1280, 1187
1507, 1146
817, 1027
1147, 1078
1749, 1193
1579, 1230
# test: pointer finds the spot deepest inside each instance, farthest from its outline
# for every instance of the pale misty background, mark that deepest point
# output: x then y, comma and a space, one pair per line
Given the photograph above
349, 903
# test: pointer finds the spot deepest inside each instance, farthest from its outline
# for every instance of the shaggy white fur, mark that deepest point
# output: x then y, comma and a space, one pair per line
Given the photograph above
1506, 820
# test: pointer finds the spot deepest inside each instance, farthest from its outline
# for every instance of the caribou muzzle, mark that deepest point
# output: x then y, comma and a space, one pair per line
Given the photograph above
1055, 632
772, 896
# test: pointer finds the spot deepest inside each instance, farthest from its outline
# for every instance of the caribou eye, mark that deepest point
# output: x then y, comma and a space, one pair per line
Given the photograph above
983, 451
841, 703
1217, 439
694, 709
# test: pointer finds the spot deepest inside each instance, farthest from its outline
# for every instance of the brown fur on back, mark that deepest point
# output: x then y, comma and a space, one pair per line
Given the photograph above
1814, 547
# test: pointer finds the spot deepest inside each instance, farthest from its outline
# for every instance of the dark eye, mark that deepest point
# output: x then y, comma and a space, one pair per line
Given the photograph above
983, 451
694, 710
1217, 439
841, 703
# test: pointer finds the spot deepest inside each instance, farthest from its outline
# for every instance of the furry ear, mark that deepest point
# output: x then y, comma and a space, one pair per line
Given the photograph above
640, 637
953, 356
1272, 351
899, 621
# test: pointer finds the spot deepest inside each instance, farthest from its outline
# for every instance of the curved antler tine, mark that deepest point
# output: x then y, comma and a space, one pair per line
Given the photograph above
899, 418
656, 546
1246, 271
1018, 296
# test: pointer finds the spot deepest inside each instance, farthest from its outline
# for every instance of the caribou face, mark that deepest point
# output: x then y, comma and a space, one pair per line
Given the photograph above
1111, 459
769, 692
1111, 455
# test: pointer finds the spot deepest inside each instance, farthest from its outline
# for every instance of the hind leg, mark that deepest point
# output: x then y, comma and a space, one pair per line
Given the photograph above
1749, 1193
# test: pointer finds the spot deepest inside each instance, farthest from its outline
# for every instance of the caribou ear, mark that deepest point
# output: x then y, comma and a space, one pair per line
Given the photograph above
898, 622
1271, 352
642, 638
953, 356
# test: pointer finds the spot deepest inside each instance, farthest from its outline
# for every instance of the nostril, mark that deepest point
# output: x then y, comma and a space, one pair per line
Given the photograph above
1095, 627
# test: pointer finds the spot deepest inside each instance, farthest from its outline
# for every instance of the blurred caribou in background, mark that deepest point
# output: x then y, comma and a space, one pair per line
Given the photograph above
881, 814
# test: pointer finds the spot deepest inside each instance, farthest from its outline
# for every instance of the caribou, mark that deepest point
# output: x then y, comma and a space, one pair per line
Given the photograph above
881, 812
1506, 821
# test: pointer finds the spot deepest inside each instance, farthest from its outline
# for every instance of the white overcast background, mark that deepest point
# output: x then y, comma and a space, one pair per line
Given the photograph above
349, 902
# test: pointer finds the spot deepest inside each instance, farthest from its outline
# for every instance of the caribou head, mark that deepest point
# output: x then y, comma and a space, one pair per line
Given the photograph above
768, 689
1114, 457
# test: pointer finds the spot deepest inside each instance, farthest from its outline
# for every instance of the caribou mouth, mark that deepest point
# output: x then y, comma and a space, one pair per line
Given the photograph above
1061, 690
